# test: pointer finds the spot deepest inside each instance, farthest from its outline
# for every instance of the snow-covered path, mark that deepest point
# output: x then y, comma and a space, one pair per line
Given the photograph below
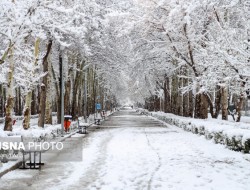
134, 152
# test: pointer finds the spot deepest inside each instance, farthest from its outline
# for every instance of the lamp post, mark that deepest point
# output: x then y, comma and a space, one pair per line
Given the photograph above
85, 97
62, 93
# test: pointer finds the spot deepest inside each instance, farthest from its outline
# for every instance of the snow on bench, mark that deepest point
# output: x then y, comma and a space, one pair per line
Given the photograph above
83, 127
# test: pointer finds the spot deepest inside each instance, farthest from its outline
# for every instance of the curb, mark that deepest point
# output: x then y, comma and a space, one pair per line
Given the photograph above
17, 165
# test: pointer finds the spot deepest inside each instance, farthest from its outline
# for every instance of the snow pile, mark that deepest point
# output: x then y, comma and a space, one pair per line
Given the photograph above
37, 132
34, 131
235, 136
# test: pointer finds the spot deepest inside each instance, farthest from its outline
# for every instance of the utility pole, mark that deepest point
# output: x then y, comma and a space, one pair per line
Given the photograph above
62, 95
85, 95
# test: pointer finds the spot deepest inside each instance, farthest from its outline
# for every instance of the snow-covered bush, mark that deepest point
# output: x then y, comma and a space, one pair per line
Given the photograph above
233, 135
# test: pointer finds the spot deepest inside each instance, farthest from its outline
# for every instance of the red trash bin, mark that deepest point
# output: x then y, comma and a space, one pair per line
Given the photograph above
67, 123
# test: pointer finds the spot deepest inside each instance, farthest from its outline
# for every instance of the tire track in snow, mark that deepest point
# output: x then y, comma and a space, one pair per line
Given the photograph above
92, 175
159, 162
92, 178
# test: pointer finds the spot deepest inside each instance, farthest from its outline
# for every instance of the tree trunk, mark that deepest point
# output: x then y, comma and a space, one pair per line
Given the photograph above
180, 97
185, 105
28, 98
204, 107
48, 104
174, 95
34, 103
68, 86
67, 97
16, 108
239, 106
9, 96
217, 102
201, 106
185, 99
38, 98
20, 105
215, 107
27, 110
190, 104
197, 106
1, 101
167, 99
80, 103
224, 102
58, 113
74, 100
76, 88
42, 106
56, 103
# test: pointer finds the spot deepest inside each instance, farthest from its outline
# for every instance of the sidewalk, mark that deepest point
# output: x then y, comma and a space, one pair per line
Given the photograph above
12, 165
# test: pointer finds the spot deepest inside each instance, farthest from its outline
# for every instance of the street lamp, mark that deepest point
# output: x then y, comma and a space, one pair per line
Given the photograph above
62, 93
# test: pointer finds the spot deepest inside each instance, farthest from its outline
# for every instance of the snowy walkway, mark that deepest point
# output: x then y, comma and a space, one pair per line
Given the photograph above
134, 152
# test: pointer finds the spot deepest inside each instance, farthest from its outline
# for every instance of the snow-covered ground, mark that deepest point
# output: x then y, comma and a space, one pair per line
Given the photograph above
234, 135
6, 166
136, 152
35, 131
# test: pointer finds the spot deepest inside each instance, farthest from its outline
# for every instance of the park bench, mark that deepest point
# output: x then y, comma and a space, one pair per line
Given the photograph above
97, 121
34, 156
33, 162
82, 128
232, 110
103, 114
31, 158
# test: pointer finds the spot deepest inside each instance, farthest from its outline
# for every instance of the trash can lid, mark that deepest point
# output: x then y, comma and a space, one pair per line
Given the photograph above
67, 116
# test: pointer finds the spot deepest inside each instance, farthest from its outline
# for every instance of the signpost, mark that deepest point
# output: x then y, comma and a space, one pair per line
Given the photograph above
98, 106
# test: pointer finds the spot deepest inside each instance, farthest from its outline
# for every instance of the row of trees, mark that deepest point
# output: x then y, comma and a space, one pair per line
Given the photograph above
193, 54
187, 57
44, 42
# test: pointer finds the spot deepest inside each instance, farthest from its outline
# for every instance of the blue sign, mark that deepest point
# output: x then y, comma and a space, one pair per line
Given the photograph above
98, 106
